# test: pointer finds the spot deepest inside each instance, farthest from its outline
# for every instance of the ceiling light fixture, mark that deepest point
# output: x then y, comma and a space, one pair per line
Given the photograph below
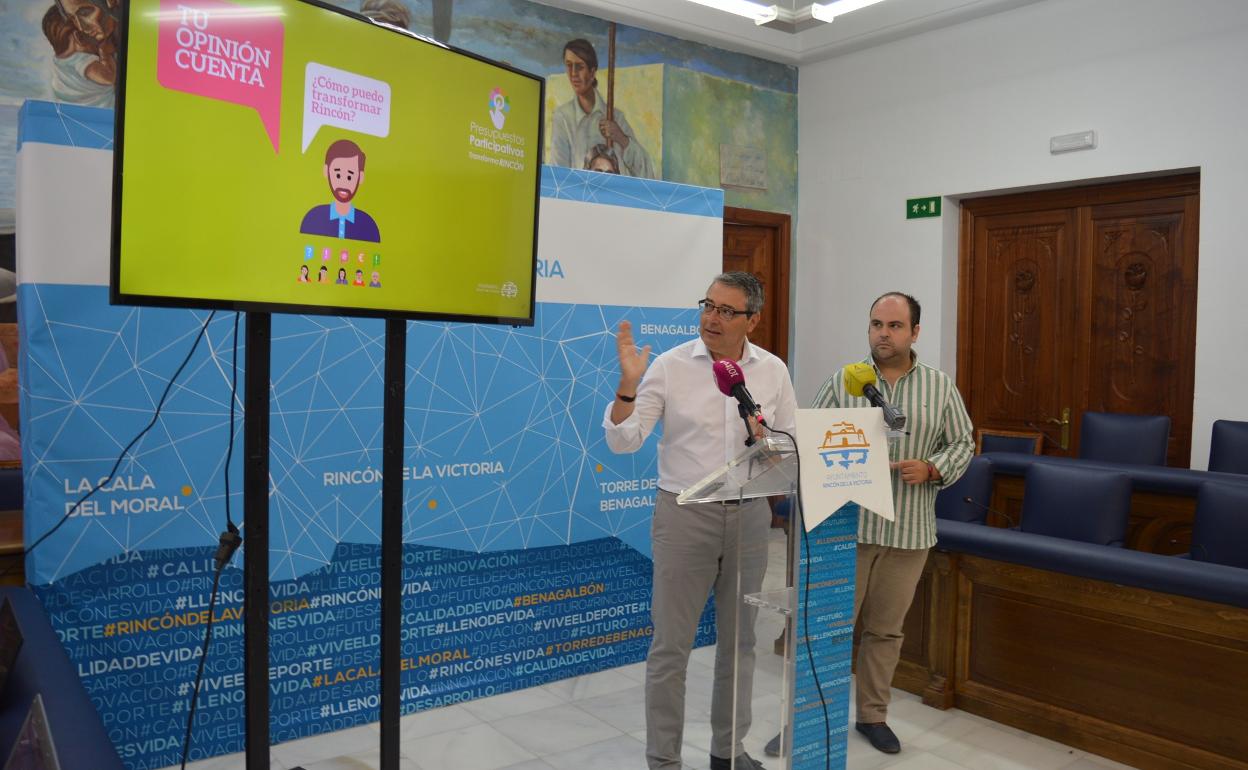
787, 19
761, 14
829, 11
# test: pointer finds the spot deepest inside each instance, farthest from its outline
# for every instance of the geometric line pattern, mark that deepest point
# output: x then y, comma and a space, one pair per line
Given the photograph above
65, 124
504, 445
631, 192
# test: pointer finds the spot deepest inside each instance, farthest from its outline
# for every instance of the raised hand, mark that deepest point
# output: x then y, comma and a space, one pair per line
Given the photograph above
633, 362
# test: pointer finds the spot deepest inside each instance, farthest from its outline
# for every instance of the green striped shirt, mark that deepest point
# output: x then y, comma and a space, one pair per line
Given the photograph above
939, 431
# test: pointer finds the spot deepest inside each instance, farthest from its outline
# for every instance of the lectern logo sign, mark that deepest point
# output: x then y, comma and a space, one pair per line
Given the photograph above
844, 459
844, 444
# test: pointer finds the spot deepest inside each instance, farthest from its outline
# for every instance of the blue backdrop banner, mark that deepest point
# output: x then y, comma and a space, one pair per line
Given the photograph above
526, 542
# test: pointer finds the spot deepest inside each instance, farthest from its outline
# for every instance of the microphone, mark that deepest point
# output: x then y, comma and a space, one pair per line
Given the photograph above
1013, 522
860, 381
731, 383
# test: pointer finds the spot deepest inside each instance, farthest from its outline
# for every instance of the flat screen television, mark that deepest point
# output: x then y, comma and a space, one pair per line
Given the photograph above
289, 156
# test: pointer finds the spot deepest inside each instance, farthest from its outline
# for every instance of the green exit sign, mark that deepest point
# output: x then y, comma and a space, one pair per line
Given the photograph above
917, 208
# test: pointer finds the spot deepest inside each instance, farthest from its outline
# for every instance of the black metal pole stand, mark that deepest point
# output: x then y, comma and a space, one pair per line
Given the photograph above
256, 555
392, 435
256, 540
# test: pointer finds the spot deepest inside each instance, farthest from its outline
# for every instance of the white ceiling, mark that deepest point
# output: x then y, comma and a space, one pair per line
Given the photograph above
871, 26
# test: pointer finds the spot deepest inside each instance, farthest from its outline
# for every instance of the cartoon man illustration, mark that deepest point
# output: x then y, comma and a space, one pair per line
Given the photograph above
344, 170
376, 282
359, 278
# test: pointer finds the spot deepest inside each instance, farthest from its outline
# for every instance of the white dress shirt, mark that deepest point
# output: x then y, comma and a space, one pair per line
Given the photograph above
702, 429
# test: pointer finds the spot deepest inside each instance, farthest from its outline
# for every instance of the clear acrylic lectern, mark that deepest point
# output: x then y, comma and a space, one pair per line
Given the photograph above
768, 468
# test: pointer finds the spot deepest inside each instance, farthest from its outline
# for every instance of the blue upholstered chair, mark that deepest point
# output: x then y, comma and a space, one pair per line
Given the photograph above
975, 483
1220, 532
1138, 439
1074, 503
988, 440
1228, 451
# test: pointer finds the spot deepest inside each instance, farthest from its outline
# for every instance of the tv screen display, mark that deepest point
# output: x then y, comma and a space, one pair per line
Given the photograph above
287, 156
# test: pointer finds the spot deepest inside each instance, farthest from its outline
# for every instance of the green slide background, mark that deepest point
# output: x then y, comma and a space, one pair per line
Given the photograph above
210, 212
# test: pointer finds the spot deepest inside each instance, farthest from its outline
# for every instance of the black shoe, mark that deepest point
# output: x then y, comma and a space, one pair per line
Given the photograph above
882, 738
744, 762
773, 748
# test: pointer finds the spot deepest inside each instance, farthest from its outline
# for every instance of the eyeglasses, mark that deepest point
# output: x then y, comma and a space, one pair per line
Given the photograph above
725, 313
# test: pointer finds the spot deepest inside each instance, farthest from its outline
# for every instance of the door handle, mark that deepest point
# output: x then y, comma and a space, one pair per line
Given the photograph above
1064, 423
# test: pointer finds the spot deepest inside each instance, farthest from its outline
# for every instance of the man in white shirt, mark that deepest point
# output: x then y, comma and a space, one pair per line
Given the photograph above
696, 546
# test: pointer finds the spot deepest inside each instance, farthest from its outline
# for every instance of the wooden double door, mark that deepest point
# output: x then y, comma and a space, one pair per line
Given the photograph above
1080, 300
758, 242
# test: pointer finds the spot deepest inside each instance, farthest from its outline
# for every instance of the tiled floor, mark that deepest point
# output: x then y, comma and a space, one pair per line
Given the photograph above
596, 722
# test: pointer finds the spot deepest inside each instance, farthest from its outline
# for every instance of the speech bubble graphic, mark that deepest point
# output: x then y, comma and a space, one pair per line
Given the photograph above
223, 51
334, 97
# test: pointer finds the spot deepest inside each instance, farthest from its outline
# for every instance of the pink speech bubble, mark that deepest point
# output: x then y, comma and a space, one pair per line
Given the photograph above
223, 51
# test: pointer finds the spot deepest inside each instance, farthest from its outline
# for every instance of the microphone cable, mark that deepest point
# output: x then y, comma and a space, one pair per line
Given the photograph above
112, 473
1013, 522
228, 543
810, 657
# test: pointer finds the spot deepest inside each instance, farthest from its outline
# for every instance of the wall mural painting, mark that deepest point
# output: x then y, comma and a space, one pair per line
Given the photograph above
619, 99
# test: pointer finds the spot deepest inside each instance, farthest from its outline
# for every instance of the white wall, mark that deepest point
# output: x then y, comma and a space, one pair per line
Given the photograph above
970, 109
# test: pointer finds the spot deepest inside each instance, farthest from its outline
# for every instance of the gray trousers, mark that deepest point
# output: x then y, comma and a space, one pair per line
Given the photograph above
695, 550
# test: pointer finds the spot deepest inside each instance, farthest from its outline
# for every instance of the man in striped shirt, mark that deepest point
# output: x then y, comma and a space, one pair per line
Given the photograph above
932, 454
